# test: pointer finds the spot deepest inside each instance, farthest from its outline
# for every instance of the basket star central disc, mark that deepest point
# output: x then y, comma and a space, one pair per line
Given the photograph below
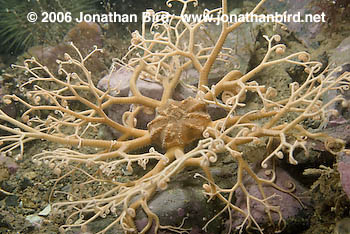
178, 123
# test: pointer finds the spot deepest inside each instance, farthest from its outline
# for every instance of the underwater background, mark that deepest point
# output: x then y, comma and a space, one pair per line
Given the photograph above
25, 188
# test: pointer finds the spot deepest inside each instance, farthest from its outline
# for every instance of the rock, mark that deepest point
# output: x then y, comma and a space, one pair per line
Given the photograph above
341, 54
119, 83
297, 73
305, 32
4, 175
8, 163
9, 109
6, 186
30, 175
182, 92
290, 207
216, 112
84, 36
342, 226
342, 108
46, 211
25, 183
241, 44
344, 171
115, 112
11, 200
35, 220
5, 222
339, 59
183, 198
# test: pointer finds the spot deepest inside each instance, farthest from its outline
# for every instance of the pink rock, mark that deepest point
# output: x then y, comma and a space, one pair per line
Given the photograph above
119, 82
9, 163
288, 204
118, 79
344, 170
